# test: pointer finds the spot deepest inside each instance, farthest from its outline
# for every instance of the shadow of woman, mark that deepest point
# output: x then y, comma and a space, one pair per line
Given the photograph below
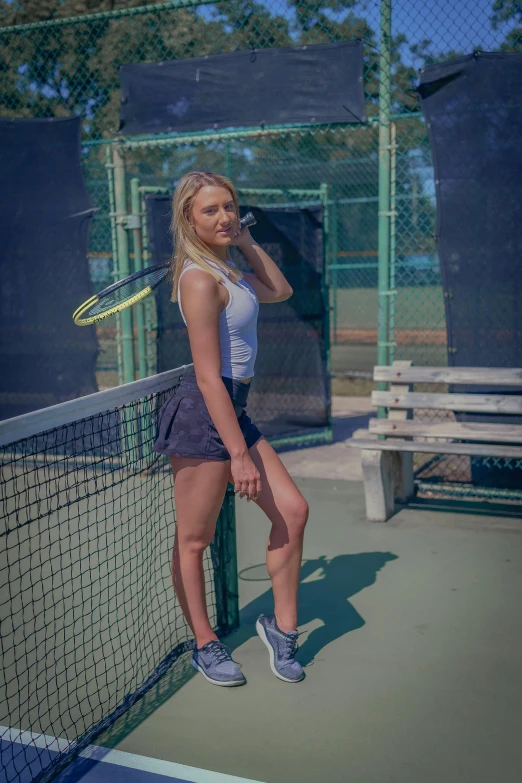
326, 585
324, 598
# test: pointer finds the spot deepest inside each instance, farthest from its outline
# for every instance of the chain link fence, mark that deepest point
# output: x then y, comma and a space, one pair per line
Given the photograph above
62, 57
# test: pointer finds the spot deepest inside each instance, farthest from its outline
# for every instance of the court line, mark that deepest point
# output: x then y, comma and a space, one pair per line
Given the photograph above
120, 758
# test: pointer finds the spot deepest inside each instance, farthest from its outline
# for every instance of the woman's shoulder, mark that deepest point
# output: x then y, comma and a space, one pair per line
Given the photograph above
222, 271
189, 262
199, 277
198, 287
201, 292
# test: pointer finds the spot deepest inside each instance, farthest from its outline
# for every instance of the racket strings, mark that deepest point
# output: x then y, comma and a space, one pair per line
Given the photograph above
129, 291
125, 292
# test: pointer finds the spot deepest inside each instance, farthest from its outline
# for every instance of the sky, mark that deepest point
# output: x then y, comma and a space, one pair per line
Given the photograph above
458, 25
451, 24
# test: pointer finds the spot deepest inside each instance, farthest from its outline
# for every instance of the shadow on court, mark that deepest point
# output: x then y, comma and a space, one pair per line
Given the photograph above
325, 598
342, 429
179, 674
419, 674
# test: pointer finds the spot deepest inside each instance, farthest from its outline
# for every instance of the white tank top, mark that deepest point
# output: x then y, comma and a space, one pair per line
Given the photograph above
237, 325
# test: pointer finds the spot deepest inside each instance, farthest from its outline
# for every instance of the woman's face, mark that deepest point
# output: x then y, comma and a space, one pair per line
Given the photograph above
214, 216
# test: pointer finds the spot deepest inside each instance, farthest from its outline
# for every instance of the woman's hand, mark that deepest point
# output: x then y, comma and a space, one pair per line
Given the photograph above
247, 480
242, 237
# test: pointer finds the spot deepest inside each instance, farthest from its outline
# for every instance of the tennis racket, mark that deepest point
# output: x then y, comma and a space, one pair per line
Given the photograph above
130, 290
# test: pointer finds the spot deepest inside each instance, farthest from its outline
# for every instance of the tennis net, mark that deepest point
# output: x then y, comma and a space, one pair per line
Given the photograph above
88, 615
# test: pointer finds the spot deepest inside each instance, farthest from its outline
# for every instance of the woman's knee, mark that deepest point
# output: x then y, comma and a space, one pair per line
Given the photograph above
193, 544
304, 511
297, 514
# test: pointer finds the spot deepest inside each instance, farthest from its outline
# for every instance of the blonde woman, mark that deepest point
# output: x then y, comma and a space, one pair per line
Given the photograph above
204, 428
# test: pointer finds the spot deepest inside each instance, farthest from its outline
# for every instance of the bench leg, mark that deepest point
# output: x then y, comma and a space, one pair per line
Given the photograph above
379, 483
405, 486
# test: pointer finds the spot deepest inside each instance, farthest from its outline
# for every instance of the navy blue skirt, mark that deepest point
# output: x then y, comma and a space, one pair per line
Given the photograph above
185, 428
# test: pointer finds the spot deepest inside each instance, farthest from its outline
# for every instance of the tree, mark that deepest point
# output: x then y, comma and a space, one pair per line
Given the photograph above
74, 69
249, 25
505, 11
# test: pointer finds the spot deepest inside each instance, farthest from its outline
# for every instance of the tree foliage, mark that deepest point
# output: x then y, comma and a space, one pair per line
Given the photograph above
73, 69
506, 10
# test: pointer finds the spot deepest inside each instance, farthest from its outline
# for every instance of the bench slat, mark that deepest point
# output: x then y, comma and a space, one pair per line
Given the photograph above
471, 403
491, 433
494, 376
466, 449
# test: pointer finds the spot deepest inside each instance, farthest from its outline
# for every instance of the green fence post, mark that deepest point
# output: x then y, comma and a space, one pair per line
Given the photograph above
393, 216
138, 265
384, 180
114, 244
325, 192
151, 324
384, 188
123, 261
335, 260
228, 164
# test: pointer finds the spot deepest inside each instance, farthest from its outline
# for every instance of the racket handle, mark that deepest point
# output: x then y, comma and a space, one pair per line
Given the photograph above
247, 220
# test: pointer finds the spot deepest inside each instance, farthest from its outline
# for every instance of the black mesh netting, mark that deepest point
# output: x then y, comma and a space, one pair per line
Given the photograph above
90, 620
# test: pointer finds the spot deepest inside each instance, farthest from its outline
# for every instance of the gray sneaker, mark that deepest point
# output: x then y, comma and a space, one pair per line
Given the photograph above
282, 647
215, 664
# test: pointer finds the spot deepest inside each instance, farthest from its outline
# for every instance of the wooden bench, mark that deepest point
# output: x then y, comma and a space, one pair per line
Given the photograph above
387, 463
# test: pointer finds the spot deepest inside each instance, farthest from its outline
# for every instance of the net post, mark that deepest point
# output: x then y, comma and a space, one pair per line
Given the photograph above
123, 260
384, 187
224, 558
138, 265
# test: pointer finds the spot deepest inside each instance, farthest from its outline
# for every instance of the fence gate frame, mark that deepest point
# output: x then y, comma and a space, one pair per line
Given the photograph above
137, 328
134, 221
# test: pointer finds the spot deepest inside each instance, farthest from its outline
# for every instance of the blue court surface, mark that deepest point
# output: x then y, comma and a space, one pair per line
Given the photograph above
24, 754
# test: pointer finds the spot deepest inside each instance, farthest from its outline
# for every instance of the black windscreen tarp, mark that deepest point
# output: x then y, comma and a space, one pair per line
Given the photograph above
473, 109
290, 392
45, 212
319, 83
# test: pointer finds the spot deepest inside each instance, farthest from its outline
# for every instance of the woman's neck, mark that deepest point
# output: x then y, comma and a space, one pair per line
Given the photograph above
219, 251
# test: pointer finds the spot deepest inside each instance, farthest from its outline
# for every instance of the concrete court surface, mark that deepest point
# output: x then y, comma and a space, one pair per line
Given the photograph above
333, 460
411, 637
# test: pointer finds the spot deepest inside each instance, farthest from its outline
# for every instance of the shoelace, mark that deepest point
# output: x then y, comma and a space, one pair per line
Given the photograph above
291, 645
218, 649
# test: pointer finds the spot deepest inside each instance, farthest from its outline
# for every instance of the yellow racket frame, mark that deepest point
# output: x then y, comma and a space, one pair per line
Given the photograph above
245, 222
93, 319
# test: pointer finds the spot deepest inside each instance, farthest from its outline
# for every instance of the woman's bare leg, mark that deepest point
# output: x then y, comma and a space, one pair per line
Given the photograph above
287, 510
199, 489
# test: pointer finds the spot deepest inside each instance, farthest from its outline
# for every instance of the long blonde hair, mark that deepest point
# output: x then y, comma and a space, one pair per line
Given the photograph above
187, 244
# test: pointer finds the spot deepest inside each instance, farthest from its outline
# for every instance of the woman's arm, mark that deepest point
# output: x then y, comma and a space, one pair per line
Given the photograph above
202, 306
268, 282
